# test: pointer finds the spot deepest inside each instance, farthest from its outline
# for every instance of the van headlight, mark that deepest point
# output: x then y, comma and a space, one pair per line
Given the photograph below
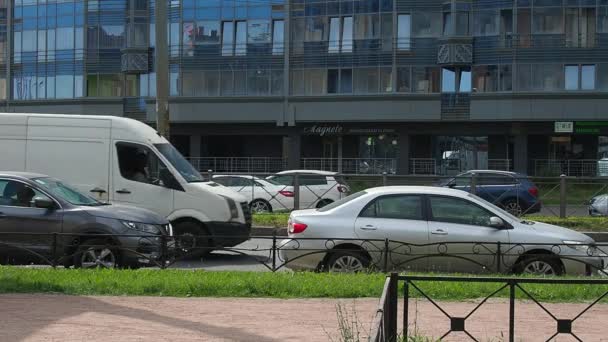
234, 210
142, 227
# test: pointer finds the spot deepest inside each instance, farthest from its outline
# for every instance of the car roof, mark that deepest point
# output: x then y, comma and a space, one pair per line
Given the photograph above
238, 176
507, 173
430, 190
309, 172
22, 175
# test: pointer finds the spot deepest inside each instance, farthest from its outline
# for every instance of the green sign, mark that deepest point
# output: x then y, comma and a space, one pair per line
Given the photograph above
589, 127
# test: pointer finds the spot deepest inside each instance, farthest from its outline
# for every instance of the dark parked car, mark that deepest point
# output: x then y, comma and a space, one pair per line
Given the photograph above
512, 191
33, 207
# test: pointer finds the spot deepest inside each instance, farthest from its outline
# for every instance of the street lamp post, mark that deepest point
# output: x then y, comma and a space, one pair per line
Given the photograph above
162, 68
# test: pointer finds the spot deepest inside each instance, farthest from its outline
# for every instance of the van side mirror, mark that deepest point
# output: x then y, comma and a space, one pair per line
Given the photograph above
496, 222
43, 203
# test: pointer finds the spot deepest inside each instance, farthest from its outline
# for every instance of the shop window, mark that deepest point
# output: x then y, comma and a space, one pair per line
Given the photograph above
485, 23
404, 32
547, 20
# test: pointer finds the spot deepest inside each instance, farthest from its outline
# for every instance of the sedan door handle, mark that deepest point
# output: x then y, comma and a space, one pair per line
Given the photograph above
123, 191
439, 232
368, 227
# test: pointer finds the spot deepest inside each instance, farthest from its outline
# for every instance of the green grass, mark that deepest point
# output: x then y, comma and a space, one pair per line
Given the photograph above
197, 283
587, 224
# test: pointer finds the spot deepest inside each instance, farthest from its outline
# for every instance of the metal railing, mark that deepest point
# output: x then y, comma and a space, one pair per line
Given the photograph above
385, 329
239, 164
352, 165
568, 167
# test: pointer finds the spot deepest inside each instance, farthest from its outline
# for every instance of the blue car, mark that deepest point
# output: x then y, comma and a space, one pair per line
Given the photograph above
512, 191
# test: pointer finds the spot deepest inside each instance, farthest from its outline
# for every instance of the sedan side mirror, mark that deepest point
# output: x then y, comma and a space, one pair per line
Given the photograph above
43, 203
496, 222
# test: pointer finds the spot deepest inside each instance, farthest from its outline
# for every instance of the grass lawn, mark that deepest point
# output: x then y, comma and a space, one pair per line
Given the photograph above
587, 224
197, 283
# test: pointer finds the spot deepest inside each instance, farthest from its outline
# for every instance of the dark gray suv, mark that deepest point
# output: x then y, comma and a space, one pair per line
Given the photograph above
44, 220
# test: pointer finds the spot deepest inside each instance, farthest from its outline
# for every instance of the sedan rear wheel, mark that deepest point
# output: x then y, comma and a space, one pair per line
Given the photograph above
347, 262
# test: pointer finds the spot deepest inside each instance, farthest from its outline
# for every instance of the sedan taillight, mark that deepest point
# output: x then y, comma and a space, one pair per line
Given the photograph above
533, 191
287, 193
296, 228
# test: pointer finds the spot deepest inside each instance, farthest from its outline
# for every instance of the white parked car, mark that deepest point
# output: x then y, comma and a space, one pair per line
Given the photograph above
431, 229
263, 196
317, 188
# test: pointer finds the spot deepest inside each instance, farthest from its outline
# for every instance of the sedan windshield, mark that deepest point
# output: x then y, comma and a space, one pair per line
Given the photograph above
179, 163
66, 192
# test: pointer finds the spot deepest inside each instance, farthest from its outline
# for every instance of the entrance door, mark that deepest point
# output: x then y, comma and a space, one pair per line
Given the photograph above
329, 162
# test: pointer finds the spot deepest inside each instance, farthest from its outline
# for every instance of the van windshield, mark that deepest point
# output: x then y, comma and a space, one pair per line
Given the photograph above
179, 163
66, 192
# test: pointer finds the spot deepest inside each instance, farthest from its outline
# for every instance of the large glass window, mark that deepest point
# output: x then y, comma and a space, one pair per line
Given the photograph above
579, 77
241, 38
456, 80
227, 38
485, 23
367, 26
334, 35
425, 79
278, 40
540, 77
424, 24
602, 19
404, 80
315, 29
366, 80
258, 31
347, 34
492, 78
403, 32
548, 20
602, 77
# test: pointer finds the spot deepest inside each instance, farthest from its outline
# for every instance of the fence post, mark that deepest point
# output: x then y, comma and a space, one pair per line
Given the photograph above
296, 191
210, 173
473, 183
562, 196
163, 251
406, 308
54, 257
384, 179
511, 311
274, 250
498, 256
385, 255
391, 313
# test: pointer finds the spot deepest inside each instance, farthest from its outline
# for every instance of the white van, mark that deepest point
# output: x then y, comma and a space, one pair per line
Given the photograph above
122, 160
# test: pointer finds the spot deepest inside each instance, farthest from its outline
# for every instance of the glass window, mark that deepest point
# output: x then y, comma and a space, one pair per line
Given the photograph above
602, 19
386, 30
346, 81
386, 80
347, 34
334, 35
276, 82
485, 78
587, 77
278, 30
315, 29
139, 164
403, 32
448, 80
366, 80
448, 26
227, 38
367, 26
547, 77
506, 77
425, 79
462, 23
404, 80
315, 81
241, 38
182, 166
602, 77
547, 20
465, 80
110, 85
312, 180
485, 23
66, 192
65, 88
571, 74
17, 194
458, 211
395, 207
258, 31
258, 82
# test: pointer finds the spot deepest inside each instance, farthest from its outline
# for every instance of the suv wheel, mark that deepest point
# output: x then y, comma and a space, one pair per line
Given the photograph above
192, 239
96, 253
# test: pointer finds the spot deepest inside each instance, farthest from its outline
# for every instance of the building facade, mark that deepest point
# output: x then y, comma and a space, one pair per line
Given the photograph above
358, 86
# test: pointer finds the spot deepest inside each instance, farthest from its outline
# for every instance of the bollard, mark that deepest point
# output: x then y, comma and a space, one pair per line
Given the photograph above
562, 196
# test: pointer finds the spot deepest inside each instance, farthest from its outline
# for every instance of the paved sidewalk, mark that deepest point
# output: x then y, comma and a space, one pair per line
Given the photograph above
72, 318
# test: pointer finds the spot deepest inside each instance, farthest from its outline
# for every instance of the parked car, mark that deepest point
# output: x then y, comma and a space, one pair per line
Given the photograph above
598, 206
514, 192
431, 229
263, 195
317, 188
40, 205
125, 161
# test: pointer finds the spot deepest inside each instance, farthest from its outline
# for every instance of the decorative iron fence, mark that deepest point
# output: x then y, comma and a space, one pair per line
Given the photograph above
385, 325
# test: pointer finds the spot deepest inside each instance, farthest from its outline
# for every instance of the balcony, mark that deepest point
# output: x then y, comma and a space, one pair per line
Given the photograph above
455, 51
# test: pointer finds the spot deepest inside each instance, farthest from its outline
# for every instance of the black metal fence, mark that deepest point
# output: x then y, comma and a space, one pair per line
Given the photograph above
385, 328
322, 254
520, 195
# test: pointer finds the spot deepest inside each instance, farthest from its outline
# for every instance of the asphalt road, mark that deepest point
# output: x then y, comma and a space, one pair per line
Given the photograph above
248, 256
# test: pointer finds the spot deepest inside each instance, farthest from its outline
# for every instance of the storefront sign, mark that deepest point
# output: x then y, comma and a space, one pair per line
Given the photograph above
371, 130
590, 127
324, 130
564, 127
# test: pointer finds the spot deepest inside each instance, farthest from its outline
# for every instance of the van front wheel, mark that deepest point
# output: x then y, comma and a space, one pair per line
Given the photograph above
192, 239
